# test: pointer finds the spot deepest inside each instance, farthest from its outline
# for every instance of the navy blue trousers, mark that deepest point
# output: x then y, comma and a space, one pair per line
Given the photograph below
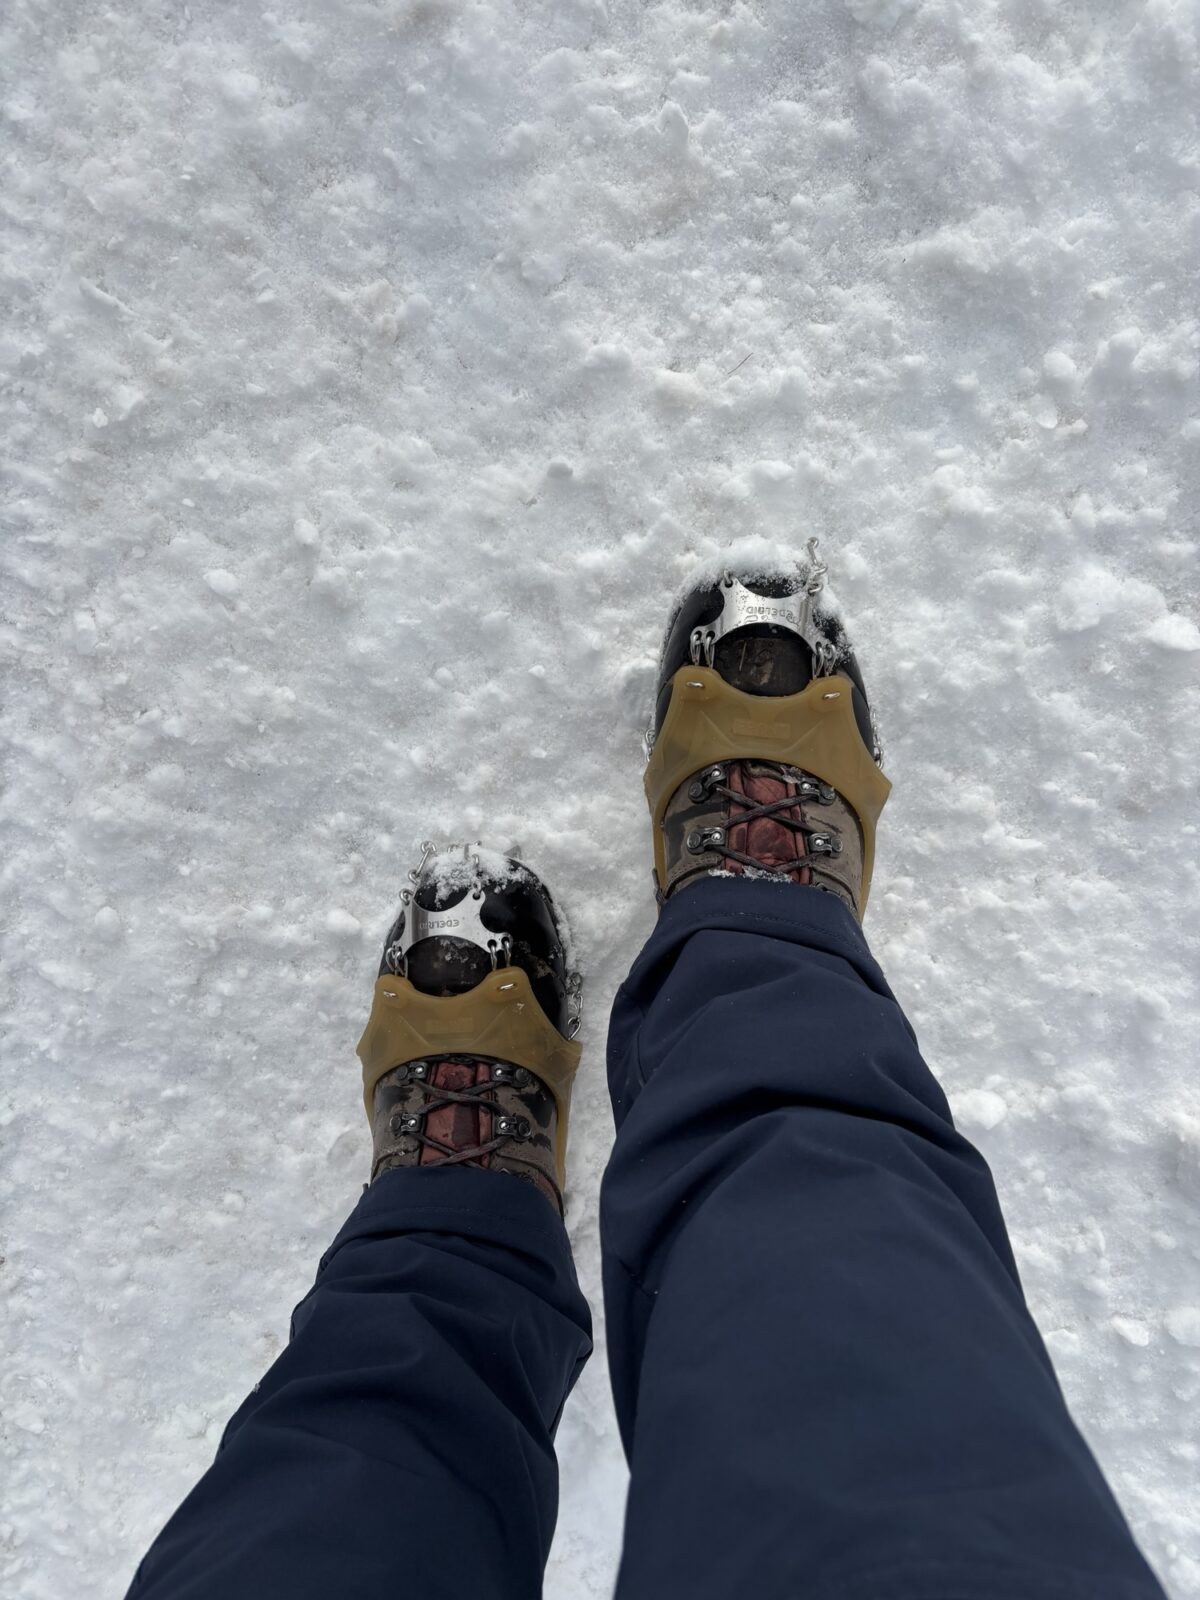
826, 1379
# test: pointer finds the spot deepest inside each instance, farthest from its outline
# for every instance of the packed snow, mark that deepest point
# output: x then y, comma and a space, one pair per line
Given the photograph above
372, 374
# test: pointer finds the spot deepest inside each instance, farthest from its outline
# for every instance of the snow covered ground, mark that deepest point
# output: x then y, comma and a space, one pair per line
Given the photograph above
371, 374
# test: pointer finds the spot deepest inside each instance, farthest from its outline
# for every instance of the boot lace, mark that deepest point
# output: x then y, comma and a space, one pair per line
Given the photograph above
817, 841
437, 1097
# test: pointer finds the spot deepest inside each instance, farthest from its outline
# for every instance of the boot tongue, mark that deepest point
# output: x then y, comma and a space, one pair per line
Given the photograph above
461, 1127
767, 839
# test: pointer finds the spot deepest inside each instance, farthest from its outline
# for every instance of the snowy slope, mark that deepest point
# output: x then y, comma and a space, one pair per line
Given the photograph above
371, 375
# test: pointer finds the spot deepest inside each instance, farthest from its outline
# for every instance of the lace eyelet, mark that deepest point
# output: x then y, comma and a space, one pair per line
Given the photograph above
700, 840
704, 785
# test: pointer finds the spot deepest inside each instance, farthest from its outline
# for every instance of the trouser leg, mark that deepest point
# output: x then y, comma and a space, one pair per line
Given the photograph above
826, 1377
403, 1442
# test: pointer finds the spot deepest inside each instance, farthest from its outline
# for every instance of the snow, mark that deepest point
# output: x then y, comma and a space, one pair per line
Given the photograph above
371, 377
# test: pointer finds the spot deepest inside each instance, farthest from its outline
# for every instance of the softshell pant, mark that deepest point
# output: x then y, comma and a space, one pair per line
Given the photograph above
826, 1379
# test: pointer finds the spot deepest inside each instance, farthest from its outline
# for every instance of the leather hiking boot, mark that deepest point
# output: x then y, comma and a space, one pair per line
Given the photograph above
763, 755
469, 1055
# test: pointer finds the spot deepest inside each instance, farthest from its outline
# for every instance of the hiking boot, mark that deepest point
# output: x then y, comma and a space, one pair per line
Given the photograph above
763, 755
469, 1053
